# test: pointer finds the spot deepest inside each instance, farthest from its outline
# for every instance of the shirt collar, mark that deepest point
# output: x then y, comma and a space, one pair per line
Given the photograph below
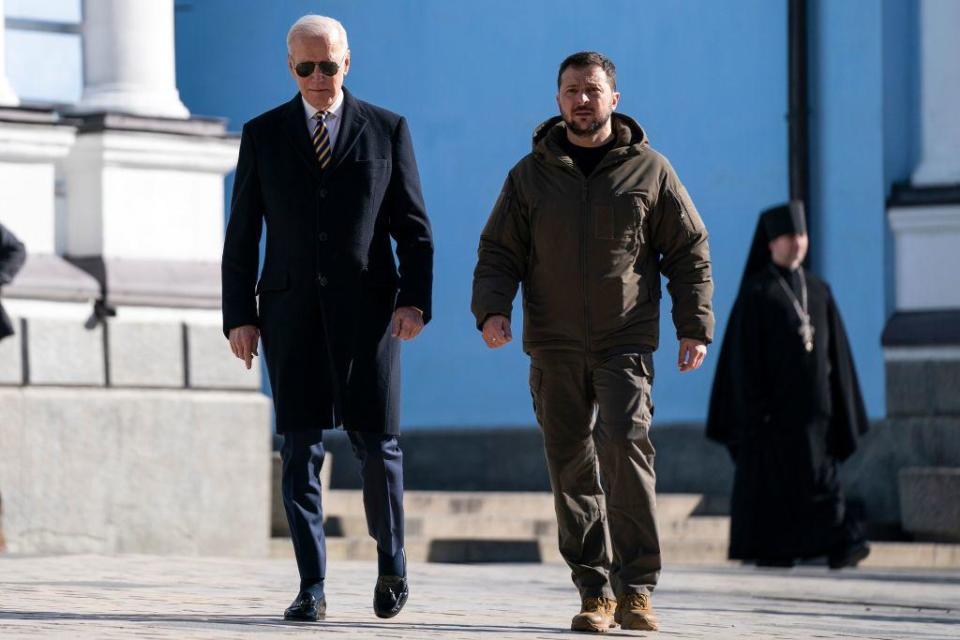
332, 112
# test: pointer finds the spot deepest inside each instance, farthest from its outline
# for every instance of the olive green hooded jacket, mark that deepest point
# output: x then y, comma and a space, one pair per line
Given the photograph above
589, 251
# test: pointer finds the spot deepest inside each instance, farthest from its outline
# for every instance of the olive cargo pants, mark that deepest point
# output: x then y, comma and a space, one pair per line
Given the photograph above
595, 415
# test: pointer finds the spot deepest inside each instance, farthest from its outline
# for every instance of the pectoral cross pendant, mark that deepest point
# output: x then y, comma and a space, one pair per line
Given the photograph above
806, 333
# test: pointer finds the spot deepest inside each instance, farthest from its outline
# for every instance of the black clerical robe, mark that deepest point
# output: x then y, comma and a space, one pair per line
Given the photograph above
787, 415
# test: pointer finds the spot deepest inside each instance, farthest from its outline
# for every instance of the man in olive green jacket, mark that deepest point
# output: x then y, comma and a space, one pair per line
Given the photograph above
587, 222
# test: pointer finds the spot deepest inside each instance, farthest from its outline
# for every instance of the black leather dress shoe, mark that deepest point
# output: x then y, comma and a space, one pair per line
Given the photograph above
390, 595
306, 608
849, 555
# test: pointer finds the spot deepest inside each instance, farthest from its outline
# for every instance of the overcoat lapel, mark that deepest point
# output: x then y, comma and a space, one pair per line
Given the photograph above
350, 129
295, 126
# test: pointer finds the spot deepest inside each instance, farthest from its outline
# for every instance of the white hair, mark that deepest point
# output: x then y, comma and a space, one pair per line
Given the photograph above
314, 26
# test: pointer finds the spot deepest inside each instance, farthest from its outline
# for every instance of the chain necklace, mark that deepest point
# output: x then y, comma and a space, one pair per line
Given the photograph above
806, 330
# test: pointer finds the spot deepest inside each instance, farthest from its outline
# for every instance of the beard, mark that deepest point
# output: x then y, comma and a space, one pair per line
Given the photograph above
592, 127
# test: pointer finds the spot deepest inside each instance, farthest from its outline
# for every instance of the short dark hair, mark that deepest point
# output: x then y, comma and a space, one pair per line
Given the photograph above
588, 59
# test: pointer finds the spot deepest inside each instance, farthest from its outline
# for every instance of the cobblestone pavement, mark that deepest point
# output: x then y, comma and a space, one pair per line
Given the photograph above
157, 597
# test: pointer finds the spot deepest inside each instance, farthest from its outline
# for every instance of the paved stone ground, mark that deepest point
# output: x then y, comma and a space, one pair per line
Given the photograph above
158, 597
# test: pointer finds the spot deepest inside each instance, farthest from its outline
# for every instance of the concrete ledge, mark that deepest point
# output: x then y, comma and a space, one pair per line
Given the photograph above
65, 352
125, 471
11, 357
146, 354
157, 283
212, 366
870, 476
49, 277
930, 503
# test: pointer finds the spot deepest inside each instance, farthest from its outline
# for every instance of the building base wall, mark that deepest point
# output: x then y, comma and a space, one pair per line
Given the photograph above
87, 470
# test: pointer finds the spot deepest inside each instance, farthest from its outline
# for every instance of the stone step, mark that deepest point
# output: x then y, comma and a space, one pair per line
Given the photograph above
506, 504
913, 555
508, 550
884, 555
447, 526
707, 528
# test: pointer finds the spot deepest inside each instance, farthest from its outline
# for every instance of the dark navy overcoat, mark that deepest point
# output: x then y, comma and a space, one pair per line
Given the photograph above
331, 278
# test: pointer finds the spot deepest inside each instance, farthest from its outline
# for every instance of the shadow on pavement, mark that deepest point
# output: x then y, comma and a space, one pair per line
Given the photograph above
268, 621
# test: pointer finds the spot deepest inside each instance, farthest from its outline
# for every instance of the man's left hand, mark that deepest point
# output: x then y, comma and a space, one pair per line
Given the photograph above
692, 354
407, 323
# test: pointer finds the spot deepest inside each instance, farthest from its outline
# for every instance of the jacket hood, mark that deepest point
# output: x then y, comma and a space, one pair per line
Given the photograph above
628, 131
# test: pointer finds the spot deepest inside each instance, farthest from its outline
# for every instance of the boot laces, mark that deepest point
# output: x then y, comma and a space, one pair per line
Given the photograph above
594, 605
637, 600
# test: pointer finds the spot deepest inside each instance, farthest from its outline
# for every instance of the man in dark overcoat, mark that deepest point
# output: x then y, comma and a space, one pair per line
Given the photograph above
334, 179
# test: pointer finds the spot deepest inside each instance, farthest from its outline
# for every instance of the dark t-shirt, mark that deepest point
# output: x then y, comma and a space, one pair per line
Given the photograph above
587, 158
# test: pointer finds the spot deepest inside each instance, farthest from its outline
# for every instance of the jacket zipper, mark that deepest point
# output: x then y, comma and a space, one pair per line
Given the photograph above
585, 230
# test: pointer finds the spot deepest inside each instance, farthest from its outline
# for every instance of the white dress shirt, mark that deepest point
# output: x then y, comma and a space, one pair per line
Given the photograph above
332, 121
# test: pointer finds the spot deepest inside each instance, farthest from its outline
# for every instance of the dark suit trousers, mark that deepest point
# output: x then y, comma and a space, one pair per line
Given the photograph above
381, 470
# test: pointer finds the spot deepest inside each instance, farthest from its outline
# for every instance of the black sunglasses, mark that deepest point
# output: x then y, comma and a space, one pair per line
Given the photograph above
327, 68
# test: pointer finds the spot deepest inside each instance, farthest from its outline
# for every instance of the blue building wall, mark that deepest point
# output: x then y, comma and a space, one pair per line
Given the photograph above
707, 80
863, 127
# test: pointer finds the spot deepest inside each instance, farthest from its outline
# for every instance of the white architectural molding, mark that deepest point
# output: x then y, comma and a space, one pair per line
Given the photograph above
33, 308
200, 317
921, 354
927, 219
28, 157
146, 196
8, 96
129, 58
927, 248
939, 93
138, 150
34, 143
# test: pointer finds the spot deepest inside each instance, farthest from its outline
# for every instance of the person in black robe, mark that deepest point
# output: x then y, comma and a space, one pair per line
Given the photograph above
787, 404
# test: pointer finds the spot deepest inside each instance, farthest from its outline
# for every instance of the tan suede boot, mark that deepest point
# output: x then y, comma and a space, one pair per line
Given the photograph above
634, 612
596, 615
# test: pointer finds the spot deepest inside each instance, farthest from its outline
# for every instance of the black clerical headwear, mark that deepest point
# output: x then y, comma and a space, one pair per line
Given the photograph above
783, 219
775, 221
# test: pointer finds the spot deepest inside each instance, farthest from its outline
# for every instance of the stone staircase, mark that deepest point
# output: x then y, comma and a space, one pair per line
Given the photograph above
475, 527
448, 526
518, 526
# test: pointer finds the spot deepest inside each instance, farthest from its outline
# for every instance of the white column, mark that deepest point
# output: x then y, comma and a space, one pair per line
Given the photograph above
128, 58
939, 93
7, 95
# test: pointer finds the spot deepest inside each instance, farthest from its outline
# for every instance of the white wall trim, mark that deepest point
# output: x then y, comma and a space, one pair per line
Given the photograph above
910, 354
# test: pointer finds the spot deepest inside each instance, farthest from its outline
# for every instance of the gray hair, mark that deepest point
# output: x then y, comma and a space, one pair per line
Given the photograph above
314, 26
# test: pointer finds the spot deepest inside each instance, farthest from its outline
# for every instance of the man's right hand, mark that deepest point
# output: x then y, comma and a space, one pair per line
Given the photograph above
243, 342
496, 331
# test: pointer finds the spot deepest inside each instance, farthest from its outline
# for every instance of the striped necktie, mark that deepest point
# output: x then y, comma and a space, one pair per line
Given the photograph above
321, 140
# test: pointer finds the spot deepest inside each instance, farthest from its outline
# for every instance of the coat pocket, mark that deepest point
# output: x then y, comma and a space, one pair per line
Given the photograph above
644, 369
536, 382
273, 282
689, 216
645, 364
621, 219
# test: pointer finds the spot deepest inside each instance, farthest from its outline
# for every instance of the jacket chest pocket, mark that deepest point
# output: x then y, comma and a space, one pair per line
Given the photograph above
620, 219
